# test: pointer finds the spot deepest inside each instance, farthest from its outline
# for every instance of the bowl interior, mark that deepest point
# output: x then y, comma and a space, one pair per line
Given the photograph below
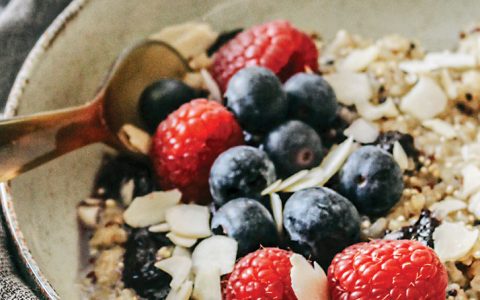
70, 69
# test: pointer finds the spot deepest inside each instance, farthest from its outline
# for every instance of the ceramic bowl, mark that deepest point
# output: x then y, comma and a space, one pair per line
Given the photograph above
71, 58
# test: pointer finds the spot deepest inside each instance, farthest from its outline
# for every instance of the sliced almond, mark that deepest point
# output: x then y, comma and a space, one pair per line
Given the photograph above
471, 184
150, 209
359, 59
372, 112
126, 192
207, 284
179, 267
474, 205
425, 100
89, 215
363, 131
400, 156
453, 241
448, 59
277, 210
189, 220
293, 179
181, 251
182, 241
182, 293
445, 207
308, 283
350, 87
440, 127
215, 252
162, 227
135, 138
212, 86
272, 188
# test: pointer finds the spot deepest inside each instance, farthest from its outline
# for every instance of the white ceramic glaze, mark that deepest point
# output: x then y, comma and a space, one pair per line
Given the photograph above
68, 63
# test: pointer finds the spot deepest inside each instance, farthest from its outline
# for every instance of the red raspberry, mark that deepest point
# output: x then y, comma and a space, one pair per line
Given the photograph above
277, 46
387, 270
187, 143
263, 274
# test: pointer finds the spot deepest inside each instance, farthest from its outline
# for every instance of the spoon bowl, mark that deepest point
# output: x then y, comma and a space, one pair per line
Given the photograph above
29, 141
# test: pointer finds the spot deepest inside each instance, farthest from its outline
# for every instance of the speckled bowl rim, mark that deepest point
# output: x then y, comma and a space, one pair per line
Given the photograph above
41, 284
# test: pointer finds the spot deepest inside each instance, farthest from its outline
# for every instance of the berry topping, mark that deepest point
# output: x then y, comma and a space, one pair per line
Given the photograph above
139, 272
263, 274
161, 98
293, 146
242, 171
256, 97
320, 223
187, 143
311, 99
372, 180
387, 270
421, 231
387, 139
116, 172
248, 222
277, 46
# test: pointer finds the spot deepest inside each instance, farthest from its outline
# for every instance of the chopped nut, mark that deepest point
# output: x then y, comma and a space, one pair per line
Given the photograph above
108, 236
108, 266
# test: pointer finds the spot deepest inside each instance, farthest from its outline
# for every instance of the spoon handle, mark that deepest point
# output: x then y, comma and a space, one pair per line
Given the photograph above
28, 141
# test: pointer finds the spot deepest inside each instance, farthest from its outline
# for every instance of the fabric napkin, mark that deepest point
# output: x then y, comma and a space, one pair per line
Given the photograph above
21, 23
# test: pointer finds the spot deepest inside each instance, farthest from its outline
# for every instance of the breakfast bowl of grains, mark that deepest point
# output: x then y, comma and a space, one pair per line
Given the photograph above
309, 150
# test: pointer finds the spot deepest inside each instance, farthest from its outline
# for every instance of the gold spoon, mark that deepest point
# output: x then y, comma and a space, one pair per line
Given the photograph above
29, 141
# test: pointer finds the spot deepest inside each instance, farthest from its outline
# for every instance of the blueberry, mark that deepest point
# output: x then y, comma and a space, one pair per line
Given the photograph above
372, 180
139, 272
241, 171
320, 223
161, 98
311, 99
119, 170
256, 97
293, 146
248, 222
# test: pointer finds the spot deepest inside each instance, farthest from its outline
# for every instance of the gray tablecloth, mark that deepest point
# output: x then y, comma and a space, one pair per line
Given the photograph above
21, 23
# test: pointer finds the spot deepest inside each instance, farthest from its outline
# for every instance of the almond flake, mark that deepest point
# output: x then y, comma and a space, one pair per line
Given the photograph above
150, 209
362, 131
308, 283
182, 293
448, 84
217, 251
181, 251
126, 192
374, 112
179, 240
440, 127
350, 87
293, 179
135, 138
448, 59
162, 227
400, 156
179, 267
277, 210
272, 188
471, 184
89, 215
212, 86
425, 100
329, 167
189, 220
359, 59
445, 207
207, 284
474, 205
417, 66
453, 241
